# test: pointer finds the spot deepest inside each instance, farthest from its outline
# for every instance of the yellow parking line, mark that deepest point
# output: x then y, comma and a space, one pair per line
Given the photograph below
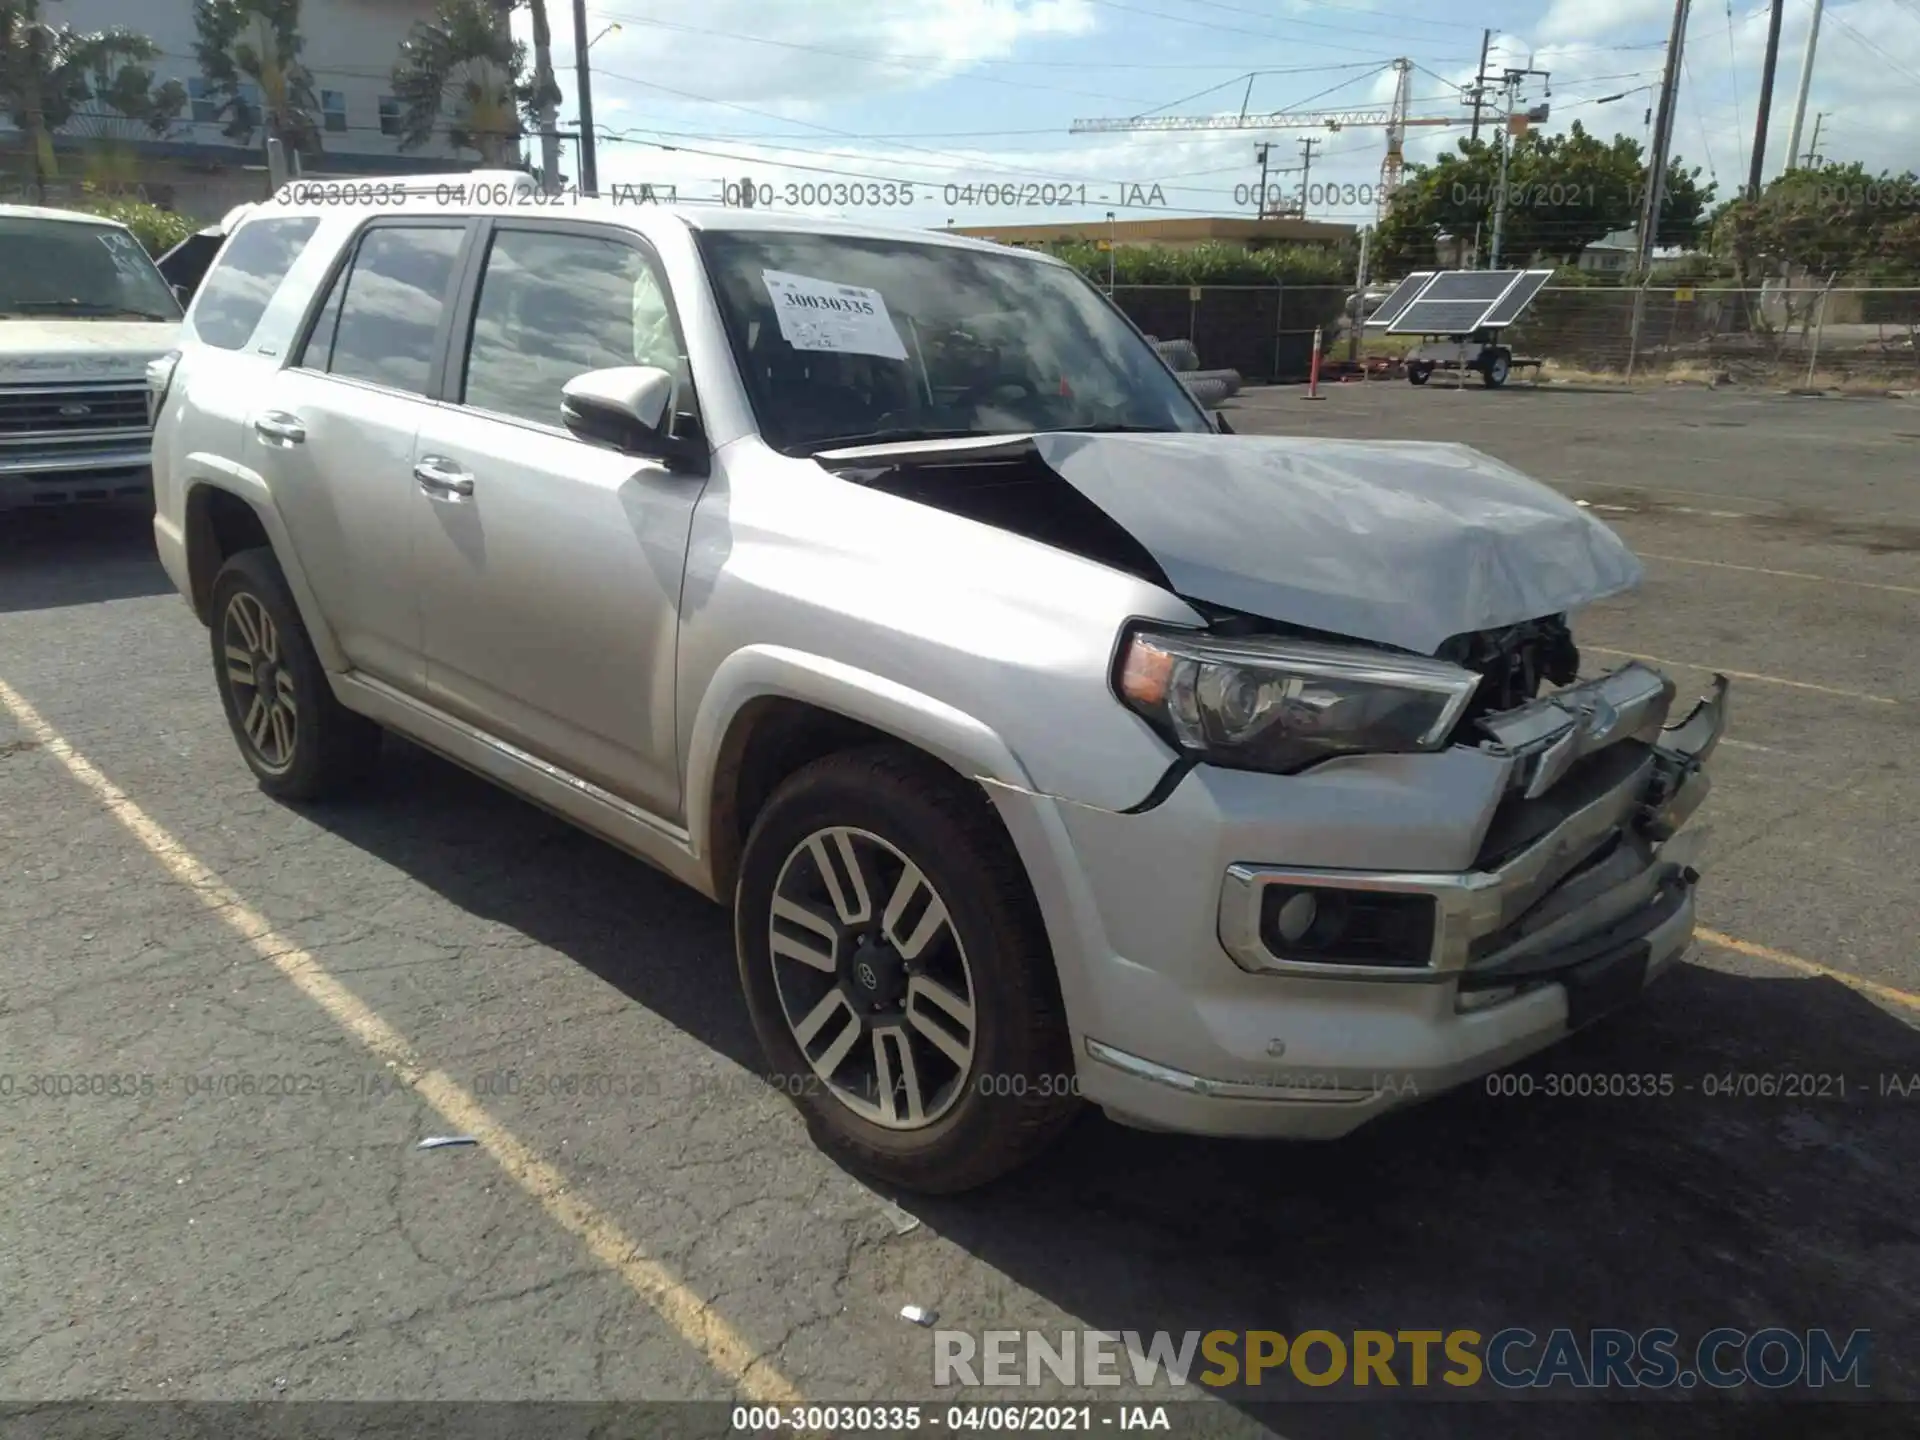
1745, 675
1784, 574
718, 1343
1865, 986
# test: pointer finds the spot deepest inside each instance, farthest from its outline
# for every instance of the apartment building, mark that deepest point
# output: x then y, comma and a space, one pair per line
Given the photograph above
350, 49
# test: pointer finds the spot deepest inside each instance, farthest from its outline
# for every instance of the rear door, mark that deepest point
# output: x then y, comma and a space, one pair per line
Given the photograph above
550, 569
334, 432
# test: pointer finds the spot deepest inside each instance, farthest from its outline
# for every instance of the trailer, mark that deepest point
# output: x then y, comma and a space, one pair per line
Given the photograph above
1458, 315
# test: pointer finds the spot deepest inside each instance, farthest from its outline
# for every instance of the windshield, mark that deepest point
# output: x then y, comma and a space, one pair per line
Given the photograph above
845, 341
71, 270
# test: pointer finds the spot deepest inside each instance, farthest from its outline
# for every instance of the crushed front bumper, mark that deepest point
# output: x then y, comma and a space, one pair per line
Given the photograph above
1564, 886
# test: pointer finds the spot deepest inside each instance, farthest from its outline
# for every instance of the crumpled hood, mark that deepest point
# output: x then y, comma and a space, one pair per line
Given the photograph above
36, 350
1402, 543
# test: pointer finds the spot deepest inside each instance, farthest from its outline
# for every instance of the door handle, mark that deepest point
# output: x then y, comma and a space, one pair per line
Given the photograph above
443, 479
279, 428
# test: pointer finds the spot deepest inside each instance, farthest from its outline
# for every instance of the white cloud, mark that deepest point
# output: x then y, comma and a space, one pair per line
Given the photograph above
1593, 48
800, 54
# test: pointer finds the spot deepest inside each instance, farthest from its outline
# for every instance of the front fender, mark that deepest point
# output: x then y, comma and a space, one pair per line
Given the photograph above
962, 741
214, 472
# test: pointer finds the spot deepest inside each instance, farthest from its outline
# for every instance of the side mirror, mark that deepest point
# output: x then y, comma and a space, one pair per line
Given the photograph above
629, 408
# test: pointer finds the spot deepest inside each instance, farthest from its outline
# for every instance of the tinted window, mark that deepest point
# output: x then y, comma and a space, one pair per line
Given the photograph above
554, 306
256, 259
841, 338
396, 294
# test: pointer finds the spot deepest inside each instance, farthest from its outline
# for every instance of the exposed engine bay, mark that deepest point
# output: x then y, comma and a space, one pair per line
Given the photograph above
1021, 494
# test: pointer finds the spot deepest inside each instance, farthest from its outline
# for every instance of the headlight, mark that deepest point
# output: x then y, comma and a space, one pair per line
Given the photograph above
1278, 705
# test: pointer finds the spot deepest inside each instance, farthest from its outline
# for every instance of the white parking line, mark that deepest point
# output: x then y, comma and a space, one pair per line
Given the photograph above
1744, 675
1780, 574
718, 1343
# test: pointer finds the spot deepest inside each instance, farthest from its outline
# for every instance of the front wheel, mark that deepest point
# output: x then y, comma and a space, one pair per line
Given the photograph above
1419, 374
1495, 369
898, 974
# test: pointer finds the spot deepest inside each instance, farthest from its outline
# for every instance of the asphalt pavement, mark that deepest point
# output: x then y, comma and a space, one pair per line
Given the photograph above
226, 1023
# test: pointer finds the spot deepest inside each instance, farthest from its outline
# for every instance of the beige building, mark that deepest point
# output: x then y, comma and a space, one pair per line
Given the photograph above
1180, 234
351, 46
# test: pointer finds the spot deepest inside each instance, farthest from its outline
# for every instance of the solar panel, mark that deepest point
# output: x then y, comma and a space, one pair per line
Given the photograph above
1401, 296
1486, 286
1507, 309
1439, 317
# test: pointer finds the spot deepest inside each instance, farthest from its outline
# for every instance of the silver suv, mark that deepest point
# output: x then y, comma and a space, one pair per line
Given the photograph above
1049, 745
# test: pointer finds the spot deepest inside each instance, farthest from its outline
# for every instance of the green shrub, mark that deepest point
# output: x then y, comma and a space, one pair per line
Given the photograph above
159, 230
1214, 262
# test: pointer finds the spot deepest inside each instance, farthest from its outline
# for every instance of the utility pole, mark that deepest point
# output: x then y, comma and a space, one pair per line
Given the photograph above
1260, 207
1653, 192
589, 161
1480, 82
1774, 12
1814, 157
1306, 169
1510, 87
1800, 100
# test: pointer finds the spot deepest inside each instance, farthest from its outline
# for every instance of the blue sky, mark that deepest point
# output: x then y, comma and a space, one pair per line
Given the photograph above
934, 94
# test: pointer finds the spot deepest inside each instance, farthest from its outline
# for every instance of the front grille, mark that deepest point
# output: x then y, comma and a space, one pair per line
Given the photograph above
1512, 664
55, 412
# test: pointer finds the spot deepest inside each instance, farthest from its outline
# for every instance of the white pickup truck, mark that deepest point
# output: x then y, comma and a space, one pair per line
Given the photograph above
82, 312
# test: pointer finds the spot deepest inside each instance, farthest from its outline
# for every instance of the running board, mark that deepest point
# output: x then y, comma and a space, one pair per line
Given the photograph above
640, 833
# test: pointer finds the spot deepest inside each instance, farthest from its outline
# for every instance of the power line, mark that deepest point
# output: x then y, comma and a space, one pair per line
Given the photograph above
1876, 51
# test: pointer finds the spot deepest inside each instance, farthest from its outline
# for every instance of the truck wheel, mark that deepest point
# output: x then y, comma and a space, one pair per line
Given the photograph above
1495, 369
898, 974
299, 741
1418, 374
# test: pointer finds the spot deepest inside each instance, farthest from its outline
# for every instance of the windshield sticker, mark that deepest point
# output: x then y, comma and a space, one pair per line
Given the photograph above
822, 315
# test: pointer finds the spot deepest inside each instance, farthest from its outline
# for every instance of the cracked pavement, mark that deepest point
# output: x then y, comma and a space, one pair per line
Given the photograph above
247, 1217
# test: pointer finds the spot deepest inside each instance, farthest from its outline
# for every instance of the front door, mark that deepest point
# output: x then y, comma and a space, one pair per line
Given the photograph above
550, 569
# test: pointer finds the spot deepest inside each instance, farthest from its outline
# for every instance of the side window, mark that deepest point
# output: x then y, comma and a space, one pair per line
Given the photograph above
255, 260
553, 306
382, 320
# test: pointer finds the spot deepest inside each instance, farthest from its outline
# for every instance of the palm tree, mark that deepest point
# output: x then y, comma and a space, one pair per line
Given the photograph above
50, 74
257, 44
546, 95
462, 72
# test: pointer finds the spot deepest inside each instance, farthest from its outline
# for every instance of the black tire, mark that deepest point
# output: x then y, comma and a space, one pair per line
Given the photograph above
331, 747
1419, 374
1020, 1092
1495, 369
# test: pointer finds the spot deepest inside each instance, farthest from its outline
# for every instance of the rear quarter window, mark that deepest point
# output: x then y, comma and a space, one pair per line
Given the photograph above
243, 280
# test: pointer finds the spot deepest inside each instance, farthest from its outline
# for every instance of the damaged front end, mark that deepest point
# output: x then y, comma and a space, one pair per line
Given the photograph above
1581, 876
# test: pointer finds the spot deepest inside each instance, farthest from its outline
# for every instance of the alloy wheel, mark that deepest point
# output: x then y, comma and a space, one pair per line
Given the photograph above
260, 682
872, 978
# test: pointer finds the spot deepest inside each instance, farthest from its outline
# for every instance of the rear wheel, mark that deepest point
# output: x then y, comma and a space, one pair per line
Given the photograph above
898, 974
299, 741
1419, 373
1495, 369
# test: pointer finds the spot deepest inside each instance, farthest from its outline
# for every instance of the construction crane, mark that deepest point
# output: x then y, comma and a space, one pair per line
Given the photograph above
1394, 117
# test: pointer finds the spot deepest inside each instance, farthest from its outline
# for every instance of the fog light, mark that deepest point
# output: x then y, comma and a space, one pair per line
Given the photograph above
1485, 999
1296, 917
1325, 924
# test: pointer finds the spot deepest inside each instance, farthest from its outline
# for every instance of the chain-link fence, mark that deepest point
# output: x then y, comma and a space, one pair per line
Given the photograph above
1795, 335
1263, 331
1776, 335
